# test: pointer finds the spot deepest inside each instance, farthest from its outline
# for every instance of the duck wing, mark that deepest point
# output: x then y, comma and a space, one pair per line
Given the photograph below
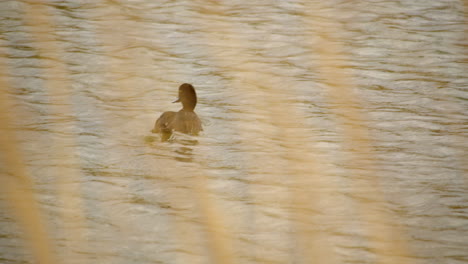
163, 124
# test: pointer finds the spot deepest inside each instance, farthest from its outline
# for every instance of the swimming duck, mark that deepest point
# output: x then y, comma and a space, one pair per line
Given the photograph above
186, 120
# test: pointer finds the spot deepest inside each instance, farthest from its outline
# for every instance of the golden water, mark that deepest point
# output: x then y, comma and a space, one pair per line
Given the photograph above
333, 132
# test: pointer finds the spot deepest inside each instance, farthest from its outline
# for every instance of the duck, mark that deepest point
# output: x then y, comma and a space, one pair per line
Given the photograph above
185, 120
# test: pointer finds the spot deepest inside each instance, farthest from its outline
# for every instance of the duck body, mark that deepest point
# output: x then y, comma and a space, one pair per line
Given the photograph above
184, 121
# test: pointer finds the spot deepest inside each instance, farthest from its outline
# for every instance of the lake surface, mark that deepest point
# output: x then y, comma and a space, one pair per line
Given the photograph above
333, 132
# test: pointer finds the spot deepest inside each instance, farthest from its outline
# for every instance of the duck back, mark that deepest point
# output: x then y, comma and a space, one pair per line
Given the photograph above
187, 122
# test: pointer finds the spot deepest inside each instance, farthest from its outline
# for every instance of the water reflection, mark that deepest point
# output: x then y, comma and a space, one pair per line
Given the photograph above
185, 154
165, 136
182, 153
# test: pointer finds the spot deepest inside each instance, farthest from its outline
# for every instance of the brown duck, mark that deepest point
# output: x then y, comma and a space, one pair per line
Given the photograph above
186, 120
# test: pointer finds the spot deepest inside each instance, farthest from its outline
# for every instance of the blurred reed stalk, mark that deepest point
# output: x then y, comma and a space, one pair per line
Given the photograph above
58, 88
302, 171
383, 228
17, 185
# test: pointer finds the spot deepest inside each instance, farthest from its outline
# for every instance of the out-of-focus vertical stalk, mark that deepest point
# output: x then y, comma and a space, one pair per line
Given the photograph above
219, 238
16, 184
302, 167
382, 226
58, 88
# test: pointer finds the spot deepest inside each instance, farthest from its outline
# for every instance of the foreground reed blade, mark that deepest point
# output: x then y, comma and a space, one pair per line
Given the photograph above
357, 141
17, 186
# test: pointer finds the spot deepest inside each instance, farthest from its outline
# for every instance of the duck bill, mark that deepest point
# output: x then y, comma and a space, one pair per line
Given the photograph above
176, 101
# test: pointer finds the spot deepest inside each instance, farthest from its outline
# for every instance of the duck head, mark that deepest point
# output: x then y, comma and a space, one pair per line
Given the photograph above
187, 96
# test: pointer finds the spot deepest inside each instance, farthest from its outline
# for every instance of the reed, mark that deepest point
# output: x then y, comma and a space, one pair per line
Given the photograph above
17, 187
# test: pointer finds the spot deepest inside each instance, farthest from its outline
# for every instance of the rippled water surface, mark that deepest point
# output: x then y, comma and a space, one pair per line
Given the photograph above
334, 131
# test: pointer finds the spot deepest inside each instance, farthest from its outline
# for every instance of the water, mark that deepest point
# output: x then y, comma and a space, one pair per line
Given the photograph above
89, 79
